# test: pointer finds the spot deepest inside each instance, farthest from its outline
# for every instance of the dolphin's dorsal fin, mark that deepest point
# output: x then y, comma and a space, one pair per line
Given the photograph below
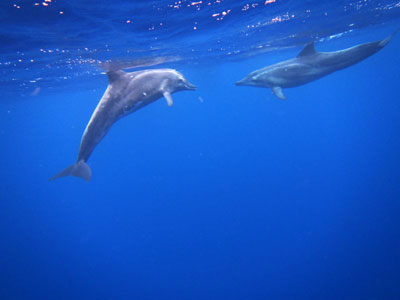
307, 50
114, 76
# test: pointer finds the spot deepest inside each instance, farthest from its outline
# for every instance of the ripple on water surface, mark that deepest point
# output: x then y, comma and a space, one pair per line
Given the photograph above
49, 44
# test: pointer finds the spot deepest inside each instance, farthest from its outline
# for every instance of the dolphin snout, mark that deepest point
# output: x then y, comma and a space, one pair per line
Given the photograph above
190, 86
241, 82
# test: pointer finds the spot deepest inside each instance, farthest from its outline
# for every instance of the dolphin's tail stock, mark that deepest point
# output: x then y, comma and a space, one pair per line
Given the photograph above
78, 169
386, 41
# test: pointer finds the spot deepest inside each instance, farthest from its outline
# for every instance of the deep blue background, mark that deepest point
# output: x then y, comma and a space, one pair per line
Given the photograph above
242, 196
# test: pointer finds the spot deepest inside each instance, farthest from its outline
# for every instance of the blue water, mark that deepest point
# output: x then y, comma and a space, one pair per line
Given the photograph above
231, 193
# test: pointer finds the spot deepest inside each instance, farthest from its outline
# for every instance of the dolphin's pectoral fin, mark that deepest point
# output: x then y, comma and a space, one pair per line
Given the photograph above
168, 97
307, 50
277, 90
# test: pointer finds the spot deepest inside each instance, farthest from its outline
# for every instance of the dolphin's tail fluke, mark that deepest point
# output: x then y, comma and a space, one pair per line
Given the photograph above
386, 41
78, 169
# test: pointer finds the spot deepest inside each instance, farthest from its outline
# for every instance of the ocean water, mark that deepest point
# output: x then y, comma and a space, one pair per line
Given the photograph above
231, 193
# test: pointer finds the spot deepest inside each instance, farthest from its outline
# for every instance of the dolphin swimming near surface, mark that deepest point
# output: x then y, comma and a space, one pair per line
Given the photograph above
126, 93
310, 65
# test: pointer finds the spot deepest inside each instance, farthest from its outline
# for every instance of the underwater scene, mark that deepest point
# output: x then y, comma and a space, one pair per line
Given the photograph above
212, 149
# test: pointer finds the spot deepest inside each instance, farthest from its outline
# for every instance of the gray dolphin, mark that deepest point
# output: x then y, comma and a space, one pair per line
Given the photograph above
126, 93
310, 65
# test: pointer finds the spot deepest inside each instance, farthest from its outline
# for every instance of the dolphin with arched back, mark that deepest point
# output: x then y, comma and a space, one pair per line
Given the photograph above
310, 65
126, 93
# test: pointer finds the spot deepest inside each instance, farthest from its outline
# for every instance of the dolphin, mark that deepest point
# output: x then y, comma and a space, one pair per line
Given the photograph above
310, 65
125, 94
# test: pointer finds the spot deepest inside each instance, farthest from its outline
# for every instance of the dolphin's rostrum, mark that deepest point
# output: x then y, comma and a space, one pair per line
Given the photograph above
310, 65
126, 93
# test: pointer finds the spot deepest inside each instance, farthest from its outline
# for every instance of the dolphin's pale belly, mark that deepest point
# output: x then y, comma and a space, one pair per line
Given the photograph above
110, 110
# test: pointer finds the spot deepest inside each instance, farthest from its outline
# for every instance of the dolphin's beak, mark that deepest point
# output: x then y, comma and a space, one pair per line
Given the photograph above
190, 86
241, 82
